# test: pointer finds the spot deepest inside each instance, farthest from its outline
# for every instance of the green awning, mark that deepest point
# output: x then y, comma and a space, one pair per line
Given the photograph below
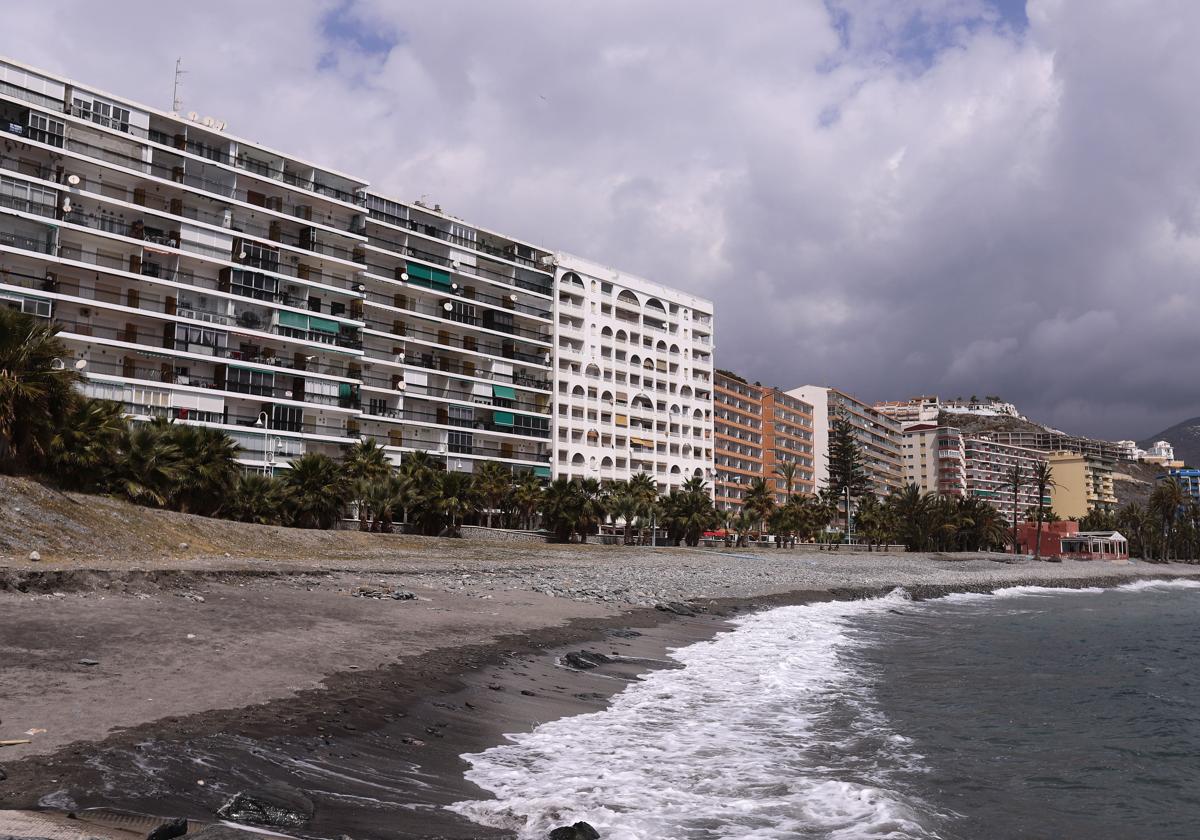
503, 392
541, 472
503, 418
433, 276
344, 389
293, 319
323, 325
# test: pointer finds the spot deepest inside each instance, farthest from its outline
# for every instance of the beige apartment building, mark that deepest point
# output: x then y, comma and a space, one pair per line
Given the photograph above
1081, 485
935, 459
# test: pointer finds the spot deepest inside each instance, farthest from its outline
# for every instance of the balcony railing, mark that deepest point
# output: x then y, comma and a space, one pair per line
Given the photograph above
440, 313
458, 241
400, 249
170, 377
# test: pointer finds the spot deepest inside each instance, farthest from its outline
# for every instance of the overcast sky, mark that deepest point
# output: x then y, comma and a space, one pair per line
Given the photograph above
892, 196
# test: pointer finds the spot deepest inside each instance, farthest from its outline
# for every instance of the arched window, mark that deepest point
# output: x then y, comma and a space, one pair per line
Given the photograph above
577, 460
627, 296
577, 391
655, 303
572, 279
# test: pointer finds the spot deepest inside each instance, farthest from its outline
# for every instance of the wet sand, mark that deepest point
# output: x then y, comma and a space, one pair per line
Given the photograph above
366, 704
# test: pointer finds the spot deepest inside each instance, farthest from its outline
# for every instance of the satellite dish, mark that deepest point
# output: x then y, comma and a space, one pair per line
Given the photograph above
403, 275
448, 306
80, 364
73, 180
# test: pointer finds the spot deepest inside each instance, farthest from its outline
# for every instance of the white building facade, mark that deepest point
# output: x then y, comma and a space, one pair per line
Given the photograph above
633, 369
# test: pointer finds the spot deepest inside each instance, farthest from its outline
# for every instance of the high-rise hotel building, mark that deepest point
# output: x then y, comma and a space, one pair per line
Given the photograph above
633, 377
209, 279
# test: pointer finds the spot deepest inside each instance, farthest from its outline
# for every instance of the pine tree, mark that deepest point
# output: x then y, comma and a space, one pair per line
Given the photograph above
848, 476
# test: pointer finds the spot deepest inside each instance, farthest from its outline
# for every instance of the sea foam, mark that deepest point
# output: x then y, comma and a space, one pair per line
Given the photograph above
767, 732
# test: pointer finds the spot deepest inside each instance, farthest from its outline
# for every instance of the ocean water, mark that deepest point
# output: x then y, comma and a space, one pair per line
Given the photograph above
1029, 713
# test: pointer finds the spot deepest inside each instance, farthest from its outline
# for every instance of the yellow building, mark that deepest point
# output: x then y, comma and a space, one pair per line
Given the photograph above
1081, 485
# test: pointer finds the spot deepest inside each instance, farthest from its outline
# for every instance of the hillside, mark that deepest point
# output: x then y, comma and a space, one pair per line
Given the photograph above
1185, 437
974, 423
1133, 481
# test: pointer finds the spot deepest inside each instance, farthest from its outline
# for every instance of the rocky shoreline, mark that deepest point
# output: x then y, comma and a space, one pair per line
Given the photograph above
378, 696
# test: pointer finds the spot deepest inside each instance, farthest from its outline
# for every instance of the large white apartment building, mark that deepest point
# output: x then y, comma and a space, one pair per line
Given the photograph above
458, 337
199, 276
633, 377
208, 279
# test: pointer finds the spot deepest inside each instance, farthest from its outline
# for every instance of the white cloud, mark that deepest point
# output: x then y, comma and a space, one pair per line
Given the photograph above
914, 193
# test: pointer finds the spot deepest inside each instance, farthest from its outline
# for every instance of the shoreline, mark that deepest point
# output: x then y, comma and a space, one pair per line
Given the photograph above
379, 749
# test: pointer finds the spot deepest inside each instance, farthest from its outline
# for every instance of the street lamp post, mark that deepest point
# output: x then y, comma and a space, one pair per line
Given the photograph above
264, 422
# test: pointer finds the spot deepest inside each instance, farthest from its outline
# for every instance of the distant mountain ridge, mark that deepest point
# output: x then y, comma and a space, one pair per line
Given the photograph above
1185, 437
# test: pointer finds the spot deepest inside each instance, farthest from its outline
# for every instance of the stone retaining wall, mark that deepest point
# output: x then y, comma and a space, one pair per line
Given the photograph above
481, 534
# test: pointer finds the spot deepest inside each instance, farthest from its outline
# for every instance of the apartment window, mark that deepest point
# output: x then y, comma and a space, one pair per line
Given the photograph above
102, 113
244, 381
253, 285
460, 442
27, 198
198, 339
461, 415
45, 130
532, 426
257, 255
463, 313
288, 418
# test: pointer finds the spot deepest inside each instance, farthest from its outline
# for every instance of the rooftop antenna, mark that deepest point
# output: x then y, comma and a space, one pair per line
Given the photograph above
176, 102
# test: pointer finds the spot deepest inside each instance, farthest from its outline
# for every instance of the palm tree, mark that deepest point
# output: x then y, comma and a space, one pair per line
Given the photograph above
1016, 480
491, 483
85, 449
37, 389
593, 506
527, 496
1043, 480
743, 523
911, 509
560, 508
208, 468
1166, 500
317, 490
623, 506
457, 497
383, 498
364, 464
786, 471
149, 467
257, 498
645, 491
759, 501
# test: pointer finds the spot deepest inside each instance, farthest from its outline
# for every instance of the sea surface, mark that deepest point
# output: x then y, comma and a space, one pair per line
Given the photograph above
1028, 713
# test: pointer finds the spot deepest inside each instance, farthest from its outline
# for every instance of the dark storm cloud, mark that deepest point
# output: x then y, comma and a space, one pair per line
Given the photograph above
949, 196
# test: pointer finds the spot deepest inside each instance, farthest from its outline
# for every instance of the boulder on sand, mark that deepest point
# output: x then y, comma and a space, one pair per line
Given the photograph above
676, 607
578, 831
272, 804
585, 659
169, 830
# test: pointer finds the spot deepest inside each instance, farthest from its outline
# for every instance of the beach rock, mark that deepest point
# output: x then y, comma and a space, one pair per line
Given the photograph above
89, 662
34, 556
585, 660
169, 830
225, 832
578, 831
3, 775
623, 633
403, 595
184, 546
676, 607
272, 804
